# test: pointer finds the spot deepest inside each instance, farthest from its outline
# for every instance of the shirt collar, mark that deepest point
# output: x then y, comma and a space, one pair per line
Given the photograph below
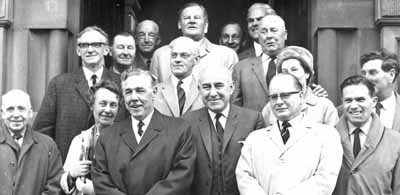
146, 120
365, 128
22, 132
224, 112
389, 102
204, 46
185, 80
88, 73
257, 48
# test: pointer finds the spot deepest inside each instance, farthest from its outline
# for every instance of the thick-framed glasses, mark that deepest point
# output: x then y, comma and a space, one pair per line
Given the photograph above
95, 45
284, 96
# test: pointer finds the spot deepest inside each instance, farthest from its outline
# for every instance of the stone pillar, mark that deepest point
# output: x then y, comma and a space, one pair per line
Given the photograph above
5, 22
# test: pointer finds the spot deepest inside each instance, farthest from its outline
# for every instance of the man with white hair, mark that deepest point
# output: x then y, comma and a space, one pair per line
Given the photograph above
30, 162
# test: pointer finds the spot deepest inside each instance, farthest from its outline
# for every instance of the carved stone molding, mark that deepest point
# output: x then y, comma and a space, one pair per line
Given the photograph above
5, 19
387, 13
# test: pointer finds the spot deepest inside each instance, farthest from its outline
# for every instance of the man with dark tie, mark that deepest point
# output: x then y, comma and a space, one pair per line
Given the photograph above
293, 156
252, 75
123, 52
371, 158
147, 40
219, 130
179, 94
65, 108
382, 68
30, 162
147, 153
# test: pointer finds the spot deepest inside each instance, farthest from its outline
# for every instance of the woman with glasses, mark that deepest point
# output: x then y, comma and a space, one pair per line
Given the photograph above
298, 61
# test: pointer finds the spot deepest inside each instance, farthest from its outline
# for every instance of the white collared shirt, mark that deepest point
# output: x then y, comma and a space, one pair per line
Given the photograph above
222, 119
88, 75
265, 61
185, 85
146, 122
293, 123
257, 48
20, 140
363, 134
387, 111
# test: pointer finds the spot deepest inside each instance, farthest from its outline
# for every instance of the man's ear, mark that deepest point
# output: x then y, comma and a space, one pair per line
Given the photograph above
179, 25
78, 51
107, 51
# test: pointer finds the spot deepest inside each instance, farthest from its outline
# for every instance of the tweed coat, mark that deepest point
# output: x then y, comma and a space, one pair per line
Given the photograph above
65, 108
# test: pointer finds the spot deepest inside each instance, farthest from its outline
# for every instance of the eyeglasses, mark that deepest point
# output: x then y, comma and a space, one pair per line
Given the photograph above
284, 96
95, 45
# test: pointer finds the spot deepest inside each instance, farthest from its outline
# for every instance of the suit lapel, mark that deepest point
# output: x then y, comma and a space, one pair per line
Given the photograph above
297, 135
171, 97
191, 96
275, 136
373, 137
81, 85
259, 72
204, 125
230, 126
396, 118
151, 132
127, 135
343, 130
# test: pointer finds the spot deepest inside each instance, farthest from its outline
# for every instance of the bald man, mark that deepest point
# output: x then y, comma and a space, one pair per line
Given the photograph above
147, 40
30, 162
231, 36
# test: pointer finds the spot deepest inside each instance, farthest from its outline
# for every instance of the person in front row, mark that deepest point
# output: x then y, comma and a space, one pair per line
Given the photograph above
30, 162
147, 153
293, 156
371, 159
104, 101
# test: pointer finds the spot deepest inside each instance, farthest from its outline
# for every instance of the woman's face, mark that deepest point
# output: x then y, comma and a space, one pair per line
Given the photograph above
292, 66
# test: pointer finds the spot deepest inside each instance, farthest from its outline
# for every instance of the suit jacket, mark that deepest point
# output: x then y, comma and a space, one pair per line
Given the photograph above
248, 52
376, 169
65, 108
166, 100
308, 163
239, 124
162, 162
37, 169
139, 62
251, 90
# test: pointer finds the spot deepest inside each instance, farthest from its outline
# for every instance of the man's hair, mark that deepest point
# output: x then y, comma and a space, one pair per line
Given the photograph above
296, 81
181, 40
389, 60
193, 4
13, 93
267, 8
93, 28
232, 23
124, 34
358, 80
105, 84
137, 72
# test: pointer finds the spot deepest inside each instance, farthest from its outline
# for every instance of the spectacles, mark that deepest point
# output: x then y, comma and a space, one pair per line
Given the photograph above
284, 96
96, 45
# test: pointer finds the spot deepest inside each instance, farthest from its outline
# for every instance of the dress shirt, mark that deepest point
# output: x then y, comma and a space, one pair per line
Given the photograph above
185, 85
293, 123
222, 119
135, 123
387, 111
88, 75
20, 140
363, 133
257, 48
265, 60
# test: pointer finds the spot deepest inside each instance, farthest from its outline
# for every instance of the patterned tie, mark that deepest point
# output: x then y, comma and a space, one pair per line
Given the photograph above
140, 126
218, 127
181, 96
94, 78
356, 144
271, 69
378, 108
285, 131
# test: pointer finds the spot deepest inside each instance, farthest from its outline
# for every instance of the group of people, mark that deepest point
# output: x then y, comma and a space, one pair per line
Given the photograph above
196, 118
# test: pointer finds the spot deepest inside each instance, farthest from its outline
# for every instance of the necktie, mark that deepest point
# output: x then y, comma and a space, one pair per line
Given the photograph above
271, 69
148, 63
378, 108
356, 144
218, 127
94, 78
140, 126
17, 135
285, 131
181, 96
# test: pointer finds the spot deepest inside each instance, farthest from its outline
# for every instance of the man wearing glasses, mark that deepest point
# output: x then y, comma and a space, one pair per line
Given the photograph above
65, 109
293, 156
147, 40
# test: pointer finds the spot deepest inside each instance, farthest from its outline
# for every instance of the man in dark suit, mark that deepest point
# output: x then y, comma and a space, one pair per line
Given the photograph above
147, 40
179, 94
254, 15
147, 153
219, 130
65, 108
123, 52
252, 75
